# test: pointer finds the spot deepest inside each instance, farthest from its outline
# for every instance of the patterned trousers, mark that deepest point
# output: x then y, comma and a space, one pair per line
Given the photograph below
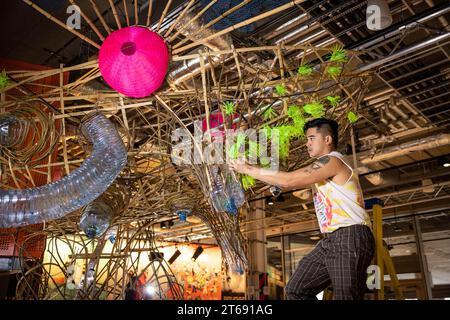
340, 259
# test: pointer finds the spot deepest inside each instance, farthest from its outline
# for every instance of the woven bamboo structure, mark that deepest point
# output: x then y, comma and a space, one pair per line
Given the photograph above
217, 75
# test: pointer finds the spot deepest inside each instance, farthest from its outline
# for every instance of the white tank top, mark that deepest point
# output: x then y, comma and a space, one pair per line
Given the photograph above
337, 205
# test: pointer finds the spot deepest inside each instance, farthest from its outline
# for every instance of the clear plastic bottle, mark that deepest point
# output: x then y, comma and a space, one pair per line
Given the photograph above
96, 219
234, 189
218, 196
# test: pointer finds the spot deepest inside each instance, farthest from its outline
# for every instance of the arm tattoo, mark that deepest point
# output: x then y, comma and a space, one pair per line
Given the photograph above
324, 160
319, 163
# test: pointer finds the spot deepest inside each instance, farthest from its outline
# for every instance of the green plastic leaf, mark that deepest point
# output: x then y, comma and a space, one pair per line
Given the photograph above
247, 181
253, 149
296, 114
4, 80
352, 117
338, 54
284, 139
280, 89
267, 131
334, 71
315, 109
305, 70
333, 100
240, 139
269, 114
265, 162
235, 150
229, 108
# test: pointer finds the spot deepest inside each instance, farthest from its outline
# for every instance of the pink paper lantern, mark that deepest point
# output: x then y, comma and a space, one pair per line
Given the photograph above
134, 61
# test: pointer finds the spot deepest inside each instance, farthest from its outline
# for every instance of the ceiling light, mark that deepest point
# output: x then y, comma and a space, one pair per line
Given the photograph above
150, 289
445, 162
197, 252
175, 255
270, 201
314, 238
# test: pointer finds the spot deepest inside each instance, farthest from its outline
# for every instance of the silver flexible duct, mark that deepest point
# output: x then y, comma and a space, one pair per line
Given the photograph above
80, 187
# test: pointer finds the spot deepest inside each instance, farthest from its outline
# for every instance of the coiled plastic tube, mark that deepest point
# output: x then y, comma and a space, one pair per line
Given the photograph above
80, 187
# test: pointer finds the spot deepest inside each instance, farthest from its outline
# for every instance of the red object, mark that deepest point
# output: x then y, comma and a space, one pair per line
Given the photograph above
215, 125
134, 61
16, 240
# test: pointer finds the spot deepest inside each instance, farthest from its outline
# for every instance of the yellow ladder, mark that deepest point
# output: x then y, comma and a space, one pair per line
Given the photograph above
382, 258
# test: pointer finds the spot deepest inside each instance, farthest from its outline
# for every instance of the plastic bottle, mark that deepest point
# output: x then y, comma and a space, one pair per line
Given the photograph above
219, 198
96, 219
234, 189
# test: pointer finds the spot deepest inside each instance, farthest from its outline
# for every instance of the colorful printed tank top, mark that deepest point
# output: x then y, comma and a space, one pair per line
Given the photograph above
337, 205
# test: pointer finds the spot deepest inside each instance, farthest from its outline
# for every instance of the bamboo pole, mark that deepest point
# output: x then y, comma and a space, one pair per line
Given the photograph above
58, 22
90, 23
29, 176
214, 21
193, 19
241, 81
63, 136
13, 176
136, 14
163, 15
239, 25
127, 17
205, 94
100, 17
116, 15
181, 15
149, 12
52, 72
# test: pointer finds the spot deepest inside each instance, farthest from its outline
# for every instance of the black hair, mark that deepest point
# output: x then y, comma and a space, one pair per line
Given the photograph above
329, 125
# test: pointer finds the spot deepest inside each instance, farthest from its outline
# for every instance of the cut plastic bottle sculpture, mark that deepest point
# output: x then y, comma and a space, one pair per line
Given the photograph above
80, 187
229, 196
234, 189
219, 198
96, 218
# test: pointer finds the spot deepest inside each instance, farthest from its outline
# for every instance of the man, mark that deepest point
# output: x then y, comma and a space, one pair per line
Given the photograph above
341, 258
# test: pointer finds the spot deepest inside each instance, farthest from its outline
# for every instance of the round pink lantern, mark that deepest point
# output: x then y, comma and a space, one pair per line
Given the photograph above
134, 61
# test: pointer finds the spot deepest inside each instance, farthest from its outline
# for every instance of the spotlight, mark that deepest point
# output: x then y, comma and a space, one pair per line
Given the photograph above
175, 255
270, 201
275, 191
197, 252
166, 224
149, 289
444, 162
156, 256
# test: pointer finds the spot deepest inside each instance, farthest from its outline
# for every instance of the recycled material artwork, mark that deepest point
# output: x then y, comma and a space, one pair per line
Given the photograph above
270, 89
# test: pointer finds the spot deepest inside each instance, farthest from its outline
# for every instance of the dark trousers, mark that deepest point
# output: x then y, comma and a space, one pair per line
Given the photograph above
341, 259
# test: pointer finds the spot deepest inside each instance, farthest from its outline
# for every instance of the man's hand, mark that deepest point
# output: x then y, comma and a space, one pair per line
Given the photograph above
240, 166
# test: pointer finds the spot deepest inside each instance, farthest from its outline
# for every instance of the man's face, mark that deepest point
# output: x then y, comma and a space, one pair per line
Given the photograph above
316, 143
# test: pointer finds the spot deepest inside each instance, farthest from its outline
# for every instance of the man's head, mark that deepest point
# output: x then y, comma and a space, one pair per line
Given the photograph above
322, 136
